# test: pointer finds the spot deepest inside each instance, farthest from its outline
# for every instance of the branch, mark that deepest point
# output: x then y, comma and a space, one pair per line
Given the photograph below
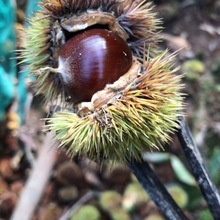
37, 181
87, 197
156, 190
195, 161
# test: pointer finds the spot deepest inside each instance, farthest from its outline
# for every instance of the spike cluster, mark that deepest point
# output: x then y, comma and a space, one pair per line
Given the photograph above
138, 111
44, 36
143, 115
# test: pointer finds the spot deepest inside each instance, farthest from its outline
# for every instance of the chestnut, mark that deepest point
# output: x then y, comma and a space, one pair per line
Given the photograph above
91, 59
98, 60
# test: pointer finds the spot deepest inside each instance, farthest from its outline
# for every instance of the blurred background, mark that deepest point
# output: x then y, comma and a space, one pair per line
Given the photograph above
111, 191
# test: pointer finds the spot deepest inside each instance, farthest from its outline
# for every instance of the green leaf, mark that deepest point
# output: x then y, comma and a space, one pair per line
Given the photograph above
205, 215
214, 165
181, 171
157, 157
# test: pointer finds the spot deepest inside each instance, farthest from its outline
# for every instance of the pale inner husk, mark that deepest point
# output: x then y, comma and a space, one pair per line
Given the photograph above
111, 91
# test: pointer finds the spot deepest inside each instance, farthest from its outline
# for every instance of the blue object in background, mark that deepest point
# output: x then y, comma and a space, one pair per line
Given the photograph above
12, 84
31, 7
7, 61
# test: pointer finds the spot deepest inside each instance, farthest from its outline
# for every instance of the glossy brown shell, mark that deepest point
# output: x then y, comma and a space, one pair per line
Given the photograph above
90, 60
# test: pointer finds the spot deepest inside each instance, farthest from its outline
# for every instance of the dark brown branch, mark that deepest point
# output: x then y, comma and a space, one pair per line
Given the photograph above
156, 190
195, 161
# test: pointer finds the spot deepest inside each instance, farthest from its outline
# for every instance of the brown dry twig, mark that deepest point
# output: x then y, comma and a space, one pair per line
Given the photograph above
37, 181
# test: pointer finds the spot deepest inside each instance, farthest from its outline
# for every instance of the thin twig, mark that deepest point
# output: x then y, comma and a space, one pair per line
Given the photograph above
156, 190
195, 161
36, 183
88, 196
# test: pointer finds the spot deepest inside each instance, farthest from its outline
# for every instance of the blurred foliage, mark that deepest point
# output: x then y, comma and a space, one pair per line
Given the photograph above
133, 196
214, 165
178, 194
110, 200
193, 69
86, 212
205, 215
181, 172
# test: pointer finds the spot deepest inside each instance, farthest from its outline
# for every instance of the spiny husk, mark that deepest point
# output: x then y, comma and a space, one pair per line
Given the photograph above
135, 17
141, 118
37, 43
36, 55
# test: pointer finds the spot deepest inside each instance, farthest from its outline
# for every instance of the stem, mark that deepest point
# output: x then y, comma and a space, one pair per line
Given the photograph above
87, 197
37, 181
195, 161
156, 190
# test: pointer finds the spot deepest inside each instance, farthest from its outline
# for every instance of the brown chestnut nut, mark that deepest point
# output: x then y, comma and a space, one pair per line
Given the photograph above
90, 60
